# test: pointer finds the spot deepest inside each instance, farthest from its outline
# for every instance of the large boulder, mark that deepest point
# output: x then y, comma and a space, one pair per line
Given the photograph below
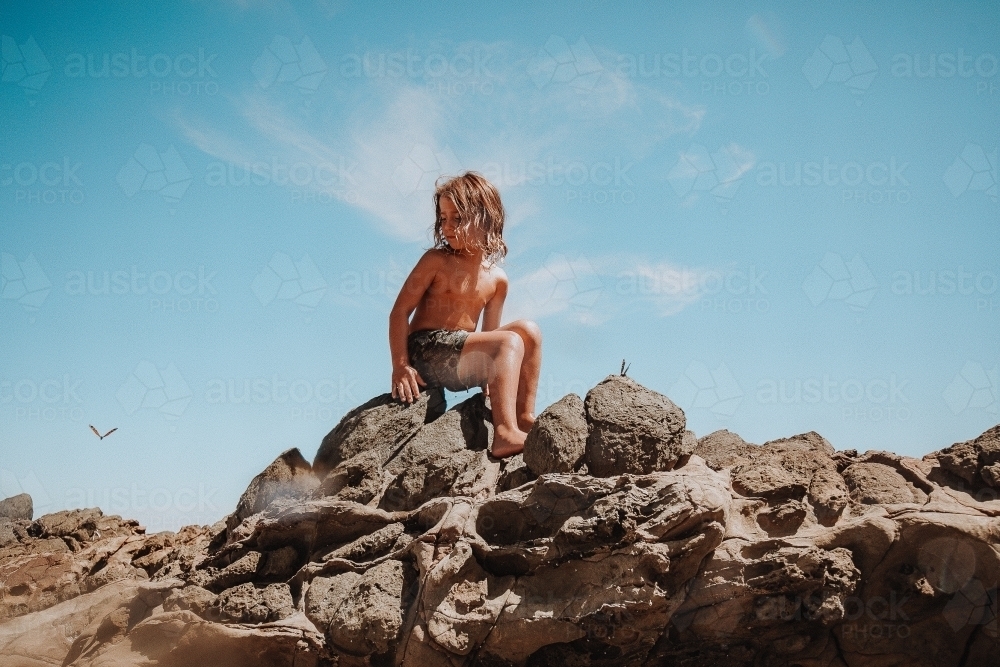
447, 457
877, 483
558, 440
723, 449
632, 429
17, 508
288, 476
381, 425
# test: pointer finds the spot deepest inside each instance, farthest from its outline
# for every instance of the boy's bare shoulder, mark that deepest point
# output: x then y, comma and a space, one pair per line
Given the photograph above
432, 259
499, 277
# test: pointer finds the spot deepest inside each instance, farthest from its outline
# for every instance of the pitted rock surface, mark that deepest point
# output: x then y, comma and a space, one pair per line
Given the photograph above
408, 544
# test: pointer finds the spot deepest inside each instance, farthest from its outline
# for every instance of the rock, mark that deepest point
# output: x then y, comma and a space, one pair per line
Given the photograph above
632, 429
369, 620
369, 546
766, 481
782, 554
722, 449
513, 473
17, 508
558, 440
784, 519
875, 483
974, 461
195, 599
808, 459
40, 570
447, 457
288, 476
243, 604
382, 425
325, 596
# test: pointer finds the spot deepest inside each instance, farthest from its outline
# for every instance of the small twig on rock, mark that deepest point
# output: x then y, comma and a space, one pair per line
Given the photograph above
625, 368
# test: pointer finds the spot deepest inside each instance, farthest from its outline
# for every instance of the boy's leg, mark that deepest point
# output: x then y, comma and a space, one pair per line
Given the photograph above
531, 366
495, 357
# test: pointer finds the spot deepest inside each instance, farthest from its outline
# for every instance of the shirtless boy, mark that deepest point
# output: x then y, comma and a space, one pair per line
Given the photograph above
452, 285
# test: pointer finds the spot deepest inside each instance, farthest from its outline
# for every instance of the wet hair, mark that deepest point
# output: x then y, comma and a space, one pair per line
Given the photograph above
478, 202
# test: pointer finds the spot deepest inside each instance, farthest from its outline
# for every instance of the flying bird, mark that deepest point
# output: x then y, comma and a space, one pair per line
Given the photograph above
98, 433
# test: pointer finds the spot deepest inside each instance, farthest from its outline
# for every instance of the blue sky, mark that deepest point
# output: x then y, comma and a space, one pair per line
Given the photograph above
783, 215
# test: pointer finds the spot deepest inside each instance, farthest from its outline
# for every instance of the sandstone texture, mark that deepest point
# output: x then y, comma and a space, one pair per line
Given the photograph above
618, 538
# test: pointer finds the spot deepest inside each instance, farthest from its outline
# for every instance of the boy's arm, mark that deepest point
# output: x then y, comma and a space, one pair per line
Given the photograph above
494, 307
405, 378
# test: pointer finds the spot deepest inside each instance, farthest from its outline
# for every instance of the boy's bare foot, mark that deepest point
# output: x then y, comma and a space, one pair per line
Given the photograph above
507, 441
525, 421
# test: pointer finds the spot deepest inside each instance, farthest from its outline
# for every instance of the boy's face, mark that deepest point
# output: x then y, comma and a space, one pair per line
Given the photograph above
453, 228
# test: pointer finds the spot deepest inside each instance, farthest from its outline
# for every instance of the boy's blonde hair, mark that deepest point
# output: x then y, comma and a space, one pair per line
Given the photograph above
478, 202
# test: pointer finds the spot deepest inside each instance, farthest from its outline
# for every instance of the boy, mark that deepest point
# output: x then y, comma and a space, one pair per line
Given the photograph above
454, 283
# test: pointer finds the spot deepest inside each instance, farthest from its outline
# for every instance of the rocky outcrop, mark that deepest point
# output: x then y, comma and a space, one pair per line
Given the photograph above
619, 538
16, 508
558, 440
288, 476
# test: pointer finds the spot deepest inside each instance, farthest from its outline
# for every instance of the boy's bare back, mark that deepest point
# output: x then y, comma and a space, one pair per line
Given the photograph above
452, 291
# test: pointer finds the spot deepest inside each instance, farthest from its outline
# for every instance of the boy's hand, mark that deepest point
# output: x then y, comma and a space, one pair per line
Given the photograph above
405, 381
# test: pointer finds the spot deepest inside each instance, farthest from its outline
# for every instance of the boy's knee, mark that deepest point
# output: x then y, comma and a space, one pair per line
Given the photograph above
512, 342
532, 331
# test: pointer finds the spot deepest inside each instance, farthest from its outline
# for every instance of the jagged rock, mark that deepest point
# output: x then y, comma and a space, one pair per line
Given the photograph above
722, 449
381, 425
632, 429
875, 483
766, 481
807, 458
369, 546
513, 473
17, 508
447, 457
368, 622
41, 569
288, 476
782, 554
247, 603
558, 440
974, 461
196, 599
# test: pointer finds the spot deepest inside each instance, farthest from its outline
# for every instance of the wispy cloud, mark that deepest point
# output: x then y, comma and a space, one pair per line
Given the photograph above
400, 134
593, 290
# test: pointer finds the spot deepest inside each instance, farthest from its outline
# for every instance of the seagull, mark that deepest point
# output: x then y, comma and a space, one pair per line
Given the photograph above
98, 433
